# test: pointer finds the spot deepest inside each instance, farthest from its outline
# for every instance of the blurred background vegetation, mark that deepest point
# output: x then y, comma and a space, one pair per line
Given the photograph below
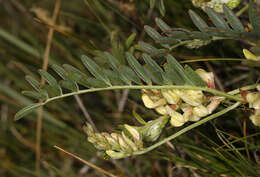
228, 146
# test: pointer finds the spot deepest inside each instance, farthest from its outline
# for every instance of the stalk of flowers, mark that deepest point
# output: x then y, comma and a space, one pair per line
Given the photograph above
253, 99
183, 105
120, 145
217, 5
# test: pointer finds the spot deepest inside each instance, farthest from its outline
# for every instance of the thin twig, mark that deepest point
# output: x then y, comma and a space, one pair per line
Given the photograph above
22, 139
44, 67
85, 112
86, 162
123, 100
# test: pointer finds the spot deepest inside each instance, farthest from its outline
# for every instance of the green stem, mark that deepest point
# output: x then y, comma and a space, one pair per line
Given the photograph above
186, 129
248, 87
206, 89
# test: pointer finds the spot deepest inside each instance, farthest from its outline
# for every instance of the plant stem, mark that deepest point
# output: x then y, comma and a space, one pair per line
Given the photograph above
206, 89
186, 129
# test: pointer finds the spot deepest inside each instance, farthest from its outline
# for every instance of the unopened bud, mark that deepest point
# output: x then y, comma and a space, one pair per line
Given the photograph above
177, 119
123, 145
115, 155
135, 134
153, 129
130, 143
92, 140
255, 118
214, 104
149, 103
101, 146
170, 96
192, 97
250, 56
200, 111
187, 113
207, 77
87, 128
113, 142
194, 118
161, 110
253, 99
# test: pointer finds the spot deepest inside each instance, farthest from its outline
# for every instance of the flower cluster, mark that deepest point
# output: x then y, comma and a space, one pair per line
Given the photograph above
183, 105
119, 145
217, 5
253, 99
197, 43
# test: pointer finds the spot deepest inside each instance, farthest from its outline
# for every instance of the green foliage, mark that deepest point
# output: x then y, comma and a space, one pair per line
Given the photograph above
204, 151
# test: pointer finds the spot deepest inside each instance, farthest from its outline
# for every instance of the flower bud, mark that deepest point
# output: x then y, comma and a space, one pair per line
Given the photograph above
87, 128
99, 137
197, 43
250, 56
123, 145
258, 87
255, 118
177, 119
113, 142
194, 118
207, 77
253, 99
192, 97
161, 110
214, 104
153, 129
130, 143
115, 155
149, 103
92, 140
135, 134
217, 5
101, 146
200, 111
170, 96
187, 113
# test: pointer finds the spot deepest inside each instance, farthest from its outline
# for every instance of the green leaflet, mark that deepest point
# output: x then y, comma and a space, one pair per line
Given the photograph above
161, 7
138, 118
130, 40
53, 85
162, 25
113, 76
194, 77
91, 82
34, 83
129, 75
70, 85
152, 32
112, 60
51, 80
138, 68
61, 72
179, 69
253, 18
154, 69
152, 3
218, 21
197, 21
35, 95
233, 20
116, 66
94, 69
171, 76
26, 110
